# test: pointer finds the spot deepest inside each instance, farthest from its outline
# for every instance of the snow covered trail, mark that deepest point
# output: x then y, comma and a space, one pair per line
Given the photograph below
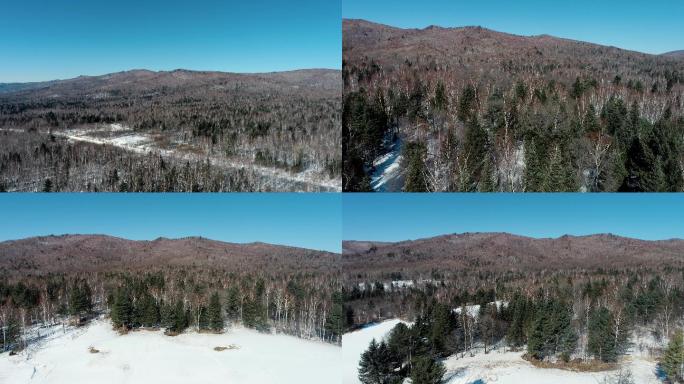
388, 174
125, 138
151, 357
142, 144
355, 343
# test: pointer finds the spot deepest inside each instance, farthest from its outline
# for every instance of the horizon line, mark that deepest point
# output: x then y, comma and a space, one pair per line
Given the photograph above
504, 32
339, 69
166, 238
518, 235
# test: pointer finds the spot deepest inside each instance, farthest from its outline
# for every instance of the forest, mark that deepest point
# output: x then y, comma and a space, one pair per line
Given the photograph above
481, 111
173, 299
578, 321
287, 123
569, 314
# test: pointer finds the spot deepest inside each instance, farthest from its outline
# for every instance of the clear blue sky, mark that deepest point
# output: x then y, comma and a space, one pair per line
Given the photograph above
653, 26
396, 217
310, 220
50, 39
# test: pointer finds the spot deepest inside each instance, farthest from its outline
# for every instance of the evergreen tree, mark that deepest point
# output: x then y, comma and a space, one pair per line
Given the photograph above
427, 371
122, 309
80, 302
601, 340
466, 104
476, 143
414, 154
215, 313
378, 365
334, 323
233, 304
440, 100
672, 361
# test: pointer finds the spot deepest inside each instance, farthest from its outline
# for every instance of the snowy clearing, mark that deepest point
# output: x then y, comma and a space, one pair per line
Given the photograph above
355, 343
510, 368
151, 357
495, 367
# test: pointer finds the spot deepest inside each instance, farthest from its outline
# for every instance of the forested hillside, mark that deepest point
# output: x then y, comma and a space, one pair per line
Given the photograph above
578, 303
173, 131
169, 284
470, 109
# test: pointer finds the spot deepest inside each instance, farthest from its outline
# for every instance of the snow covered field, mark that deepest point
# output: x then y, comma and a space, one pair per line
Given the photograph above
495, 367
151, 357
510, 368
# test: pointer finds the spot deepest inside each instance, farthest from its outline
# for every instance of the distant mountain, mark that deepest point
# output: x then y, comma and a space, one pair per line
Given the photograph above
675, 54
141, 80
97, 253
502, 252
475, 49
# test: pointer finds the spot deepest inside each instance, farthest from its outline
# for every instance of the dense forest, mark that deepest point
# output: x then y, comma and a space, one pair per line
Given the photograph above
286, 123
582, 320
175, 296
478, 110
174, 300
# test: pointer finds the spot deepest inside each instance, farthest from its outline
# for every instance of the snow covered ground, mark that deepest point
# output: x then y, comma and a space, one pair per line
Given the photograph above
388, 175
496, 367
151, 357
355, 343
510, 368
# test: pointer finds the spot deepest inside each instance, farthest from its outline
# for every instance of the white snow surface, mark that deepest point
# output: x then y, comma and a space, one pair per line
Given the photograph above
151, 357
510, 368
355, 343
387, 169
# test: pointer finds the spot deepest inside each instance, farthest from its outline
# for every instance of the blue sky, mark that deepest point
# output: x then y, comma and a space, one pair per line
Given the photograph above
654, 26
396, 217
311, 220
49, 39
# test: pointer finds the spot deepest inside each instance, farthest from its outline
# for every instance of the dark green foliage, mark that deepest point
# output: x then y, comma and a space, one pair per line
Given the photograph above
334, 325
80, 299
552, 333
427, 371
440, 100
378, 365
416, 173
466, 103
122, 309
603, 342
215, 313
476, 149
672, 361
364, 125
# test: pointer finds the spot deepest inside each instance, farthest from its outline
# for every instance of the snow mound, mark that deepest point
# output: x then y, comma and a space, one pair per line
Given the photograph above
151, 357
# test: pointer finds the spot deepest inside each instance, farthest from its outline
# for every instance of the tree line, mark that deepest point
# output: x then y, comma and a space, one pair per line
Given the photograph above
174, 300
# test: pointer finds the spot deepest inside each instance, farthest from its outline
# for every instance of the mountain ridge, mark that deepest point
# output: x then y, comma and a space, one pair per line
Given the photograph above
500, 252
97, 253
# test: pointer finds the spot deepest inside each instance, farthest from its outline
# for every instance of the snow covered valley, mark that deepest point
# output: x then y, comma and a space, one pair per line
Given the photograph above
495, 367
97, 354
